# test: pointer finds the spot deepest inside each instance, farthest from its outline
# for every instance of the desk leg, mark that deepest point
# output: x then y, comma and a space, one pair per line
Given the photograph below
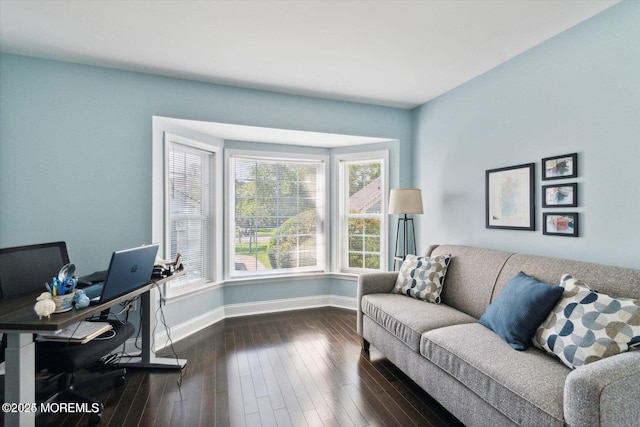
20, 377
148, 358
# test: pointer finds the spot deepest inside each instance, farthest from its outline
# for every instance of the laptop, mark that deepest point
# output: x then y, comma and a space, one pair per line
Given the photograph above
129, 270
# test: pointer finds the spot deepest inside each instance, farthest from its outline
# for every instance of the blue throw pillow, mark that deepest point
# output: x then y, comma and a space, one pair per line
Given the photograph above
521, 307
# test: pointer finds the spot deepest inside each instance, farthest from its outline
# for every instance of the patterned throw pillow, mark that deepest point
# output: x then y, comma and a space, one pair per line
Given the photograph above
422, 277
586, 326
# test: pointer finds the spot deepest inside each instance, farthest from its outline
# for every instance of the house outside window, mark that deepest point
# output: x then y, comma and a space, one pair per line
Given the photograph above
277, 214
362, 236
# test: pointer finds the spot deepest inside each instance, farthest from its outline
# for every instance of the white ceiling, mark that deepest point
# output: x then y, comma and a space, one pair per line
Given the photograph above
395, 53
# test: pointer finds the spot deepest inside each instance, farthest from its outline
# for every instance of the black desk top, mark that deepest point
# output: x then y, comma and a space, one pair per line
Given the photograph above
17, 314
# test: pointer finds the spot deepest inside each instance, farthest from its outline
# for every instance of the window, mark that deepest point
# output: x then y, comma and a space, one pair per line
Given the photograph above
277, 214
362, 212
190, 228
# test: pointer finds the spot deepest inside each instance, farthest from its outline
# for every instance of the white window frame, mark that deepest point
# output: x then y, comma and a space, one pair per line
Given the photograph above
341, 240
322, 208
176, 288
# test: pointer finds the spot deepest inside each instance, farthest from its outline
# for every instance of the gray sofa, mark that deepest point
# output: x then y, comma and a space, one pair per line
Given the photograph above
476, 375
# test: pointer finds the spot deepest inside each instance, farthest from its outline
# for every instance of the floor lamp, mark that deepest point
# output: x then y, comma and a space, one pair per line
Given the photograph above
404, 201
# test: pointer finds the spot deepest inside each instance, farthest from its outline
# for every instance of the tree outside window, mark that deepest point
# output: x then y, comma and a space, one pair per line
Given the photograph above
276, 214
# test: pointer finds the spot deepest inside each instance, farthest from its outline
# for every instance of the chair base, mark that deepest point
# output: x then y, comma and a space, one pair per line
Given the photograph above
68, 391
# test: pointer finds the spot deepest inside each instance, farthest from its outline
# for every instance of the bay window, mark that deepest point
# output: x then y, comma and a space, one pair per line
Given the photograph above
362, 215
276, 211
190, 227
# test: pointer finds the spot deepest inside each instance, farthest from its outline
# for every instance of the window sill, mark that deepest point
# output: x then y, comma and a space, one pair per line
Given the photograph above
290, 277
190, 293
257, 280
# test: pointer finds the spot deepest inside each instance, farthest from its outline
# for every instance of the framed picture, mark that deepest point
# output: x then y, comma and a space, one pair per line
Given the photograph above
560, 167
560, 224
510, 197
562, 195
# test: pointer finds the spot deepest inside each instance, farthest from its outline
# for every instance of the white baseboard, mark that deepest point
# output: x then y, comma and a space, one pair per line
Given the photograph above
196, 324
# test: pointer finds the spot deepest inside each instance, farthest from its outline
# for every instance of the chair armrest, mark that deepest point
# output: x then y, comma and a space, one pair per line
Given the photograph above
373, 283
604, 393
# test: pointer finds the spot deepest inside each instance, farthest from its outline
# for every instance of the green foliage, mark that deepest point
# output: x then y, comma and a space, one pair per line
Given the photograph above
294, 235
360, 260
360, 175
270, 191
249, 249
364, 243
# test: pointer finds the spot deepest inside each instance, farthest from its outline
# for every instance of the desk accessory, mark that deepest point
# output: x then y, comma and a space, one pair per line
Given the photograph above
44, 305
80, 299
62, 288
63, 303
163, 269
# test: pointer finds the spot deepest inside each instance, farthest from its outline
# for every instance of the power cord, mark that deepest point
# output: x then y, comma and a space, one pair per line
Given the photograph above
168, 330
127, 305
114, 357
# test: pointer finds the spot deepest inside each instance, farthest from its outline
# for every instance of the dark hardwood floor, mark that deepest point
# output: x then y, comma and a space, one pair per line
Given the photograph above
287, 369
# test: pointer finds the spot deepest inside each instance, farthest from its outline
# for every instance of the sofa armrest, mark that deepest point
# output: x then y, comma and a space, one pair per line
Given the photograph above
373, 283
604, 393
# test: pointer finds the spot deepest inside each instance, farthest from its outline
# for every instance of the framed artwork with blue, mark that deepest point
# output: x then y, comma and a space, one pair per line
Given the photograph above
560, 167
509, 197
560, 195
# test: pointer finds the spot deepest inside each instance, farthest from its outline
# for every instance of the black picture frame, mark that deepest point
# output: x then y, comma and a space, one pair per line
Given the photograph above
560, 167
510, 197
560, 195
560, 224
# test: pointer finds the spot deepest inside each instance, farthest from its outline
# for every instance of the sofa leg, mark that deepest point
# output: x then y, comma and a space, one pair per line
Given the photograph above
365, 345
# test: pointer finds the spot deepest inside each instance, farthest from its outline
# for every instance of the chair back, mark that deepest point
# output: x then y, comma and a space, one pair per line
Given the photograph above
25, 269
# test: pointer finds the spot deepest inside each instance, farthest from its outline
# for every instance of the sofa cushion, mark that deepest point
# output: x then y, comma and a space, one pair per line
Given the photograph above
527, 386
407, 318
471, 277
422, 277
606, 279
586, 326
520, 308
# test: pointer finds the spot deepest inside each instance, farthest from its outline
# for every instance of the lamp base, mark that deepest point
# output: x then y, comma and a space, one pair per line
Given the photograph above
399, 257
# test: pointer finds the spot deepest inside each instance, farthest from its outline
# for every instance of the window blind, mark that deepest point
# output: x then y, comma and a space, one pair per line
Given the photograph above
190, 209
277, 214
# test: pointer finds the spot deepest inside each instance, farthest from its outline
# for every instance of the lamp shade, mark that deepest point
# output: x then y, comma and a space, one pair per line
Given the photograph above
405, 201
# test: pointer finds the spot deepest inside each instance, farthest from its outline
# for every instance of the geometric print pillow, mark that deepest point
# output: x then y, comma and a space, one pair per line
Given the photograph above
422, 277
586, 326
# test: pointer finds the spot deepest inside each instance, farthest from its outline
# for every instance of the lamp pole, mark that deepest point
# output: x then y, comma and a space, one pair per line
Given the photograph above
404, 201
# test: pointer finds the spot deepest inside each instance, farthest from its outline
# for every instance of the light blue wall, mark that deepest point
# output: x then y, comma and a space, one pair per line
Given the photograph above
75, 150
578, 92
75, 156
75, 146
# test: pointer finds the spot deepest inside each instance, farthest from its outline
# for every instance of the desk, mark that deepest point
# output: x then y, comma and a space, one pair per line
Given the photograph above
19, 322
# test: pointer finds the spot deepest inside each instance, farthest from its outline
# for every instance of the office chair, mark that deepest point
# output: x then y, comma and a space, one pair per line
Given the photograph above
25, 269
